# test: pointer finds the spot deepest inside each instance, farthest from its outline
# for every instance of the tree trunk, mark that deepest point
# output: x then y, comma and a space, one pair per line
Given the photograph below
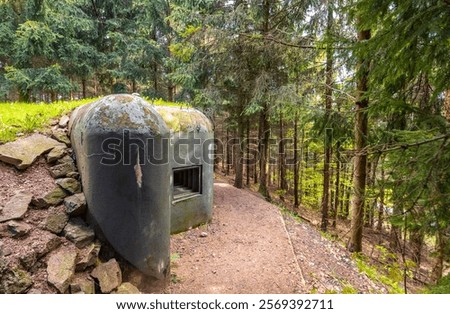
296, 201
381, 205
24, 96
170, 91
282, 159
228, 162
239, 152
395, 236
328, 140
264, 118
441, 243
83, 88
247, 143
360, 159
417, 238
337, 183
264, 149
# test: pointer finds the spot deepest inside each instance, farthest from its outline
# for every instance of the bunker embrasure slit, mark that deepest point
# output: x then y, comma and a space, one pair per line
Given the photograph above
187, 182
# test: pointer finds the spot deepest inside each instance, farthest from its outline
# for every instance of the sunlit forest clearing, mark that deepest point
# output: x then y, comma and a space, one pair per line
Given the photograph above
338, 112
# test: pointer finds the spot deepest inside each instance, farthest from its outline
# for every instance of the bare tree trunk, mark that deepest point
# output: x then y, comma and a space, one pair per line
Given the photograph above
337, 183
264, 152
83, 88
417, 238
381, 205
441, 242
360, 159
328, 140
247, 143
239, 163
228, 162
282, 159
264, 119
296, 200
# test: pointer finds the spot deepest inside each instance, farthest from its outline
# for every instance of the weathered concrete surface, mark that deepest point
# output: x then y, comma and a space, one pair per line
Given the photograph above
192, 139
23, 152
120, 144
16, 207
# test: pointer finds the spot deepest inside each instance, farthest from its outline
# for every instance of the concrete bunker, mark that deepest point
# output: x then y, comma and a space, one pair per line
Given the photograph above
192, 140
146, 173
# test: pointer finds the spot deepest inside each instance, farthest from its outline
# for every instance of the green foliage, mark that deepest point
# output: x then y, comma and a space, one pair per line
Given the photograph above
161, 102
373, 273
442, 287
17, 118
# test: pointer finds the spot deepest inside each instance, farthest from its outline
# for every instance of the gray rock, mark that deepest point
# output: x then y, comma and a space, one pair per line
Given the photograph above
14, 229
73, 175
203, 234
61, 268
127, 288
53, 198
78, 232
82, 286
23, 152
70, 185
75, 204
109, 275
61, 136
65, 160
29, 259
63, 121
62, 170
88, 256
56, 222
16, 207
14, 280
56, 153
51, 243
6, 251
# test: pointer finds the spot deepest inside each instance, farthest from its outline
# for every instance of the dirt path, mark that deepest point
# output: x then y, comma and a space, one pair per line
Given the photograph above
249, 247
246, 250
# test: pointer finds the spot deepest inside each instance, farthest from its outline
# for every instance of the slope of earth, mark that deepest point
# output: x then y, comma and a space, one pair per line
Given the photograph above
250, 248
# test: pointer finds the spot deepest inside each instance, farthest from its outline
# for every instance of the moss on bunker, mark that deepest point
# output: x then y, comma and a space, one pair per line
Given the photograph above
184, 120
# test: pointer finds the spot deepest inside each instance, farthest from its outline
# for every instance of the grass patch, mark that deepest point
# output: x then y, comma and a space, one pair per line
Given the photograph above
442, 287
24, 118
375, 275
160, 102
286, 211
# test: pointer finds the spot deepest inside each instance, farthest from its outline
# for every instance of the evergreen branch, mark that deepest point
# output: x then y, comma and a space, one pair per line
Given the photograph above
287, 44
378, 149
370, 150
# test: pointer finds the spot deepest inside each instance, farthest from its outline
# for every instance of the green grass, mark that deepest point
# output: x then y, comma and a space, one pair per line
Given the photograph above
442, 287
373, 273
24, 118
160, 102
